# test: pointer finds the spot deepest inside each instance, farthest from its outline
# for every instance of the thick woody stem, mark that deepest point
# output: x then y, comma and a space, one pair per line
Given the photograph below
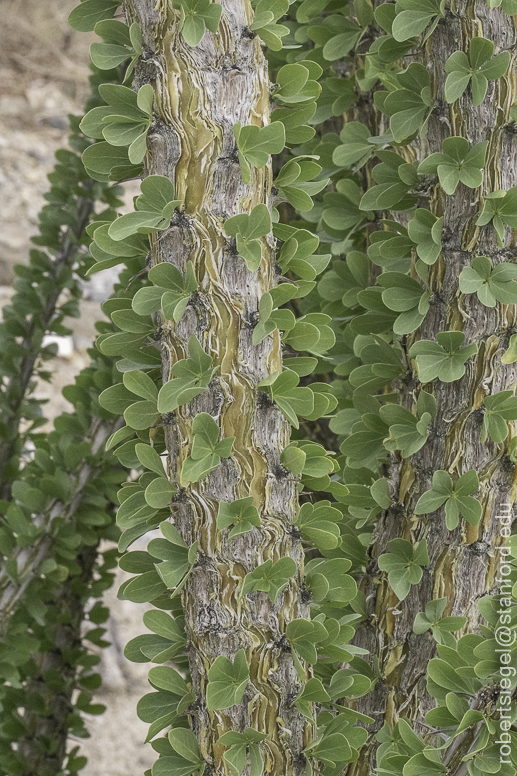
463, 562
201, 93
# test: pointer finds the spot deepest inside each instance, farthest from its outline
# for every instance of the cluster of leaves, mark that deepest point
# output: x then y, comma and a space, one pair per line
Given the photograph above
499, 208
197, 16
499, 409
457, 498
457, 163
191, 378
147, 501
443, 360
407, 102
476, 69
404, 562
247, 230
491, 284
123, 121
46, 291
344, 327
207, 450
441, 627
62, 505
118, 42
58, 489
255, 144
461, 679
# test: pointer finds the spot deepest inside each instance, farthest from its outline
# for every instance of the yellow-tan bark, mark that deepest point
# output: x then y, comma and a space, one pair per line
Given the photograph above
201, 93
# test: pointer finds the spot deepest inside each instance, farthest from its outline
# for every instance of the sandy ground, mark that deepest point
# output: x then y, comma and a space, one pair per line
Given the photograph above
43, 78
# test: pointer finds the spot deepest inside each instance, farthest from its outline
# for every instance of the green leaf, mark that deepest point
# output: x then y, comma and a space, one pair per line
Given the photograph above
444, 360
235, 757
116, 398
457, 163
500, 408
313, 692
257, 144
207, 451
497, 66
405, 295
510, 355
491, 284
291, 79
193, 30
155, 207
303, 635
341, 586
248, 737
166, 678
149, 458
137, 222
195, 470
355, 146
457, 498
331, 749
141, 415
157, 193
292, 400
92, 123
144, 588
227, 681
270, 578
444, 675
247, 229
100, 160
478, 85
478, 67
173, 766
159, 493
184, 742
191, 378
293, 458
339, 45
207, 430
317, 523
241, 514
141, 384
425, 230
403, 562
156, 705
176, 562
85, 16
123, 343
421, 765
455, 85
413, 16
259, 223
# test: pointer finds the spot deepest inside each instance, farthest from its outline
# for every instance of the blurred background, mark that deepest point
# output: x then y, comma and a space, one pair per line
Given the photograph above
43, 78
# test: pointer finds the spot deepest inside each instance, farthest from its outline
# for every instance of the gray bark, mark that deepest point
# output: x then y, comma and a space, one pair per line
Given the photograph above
200, 94
463, 562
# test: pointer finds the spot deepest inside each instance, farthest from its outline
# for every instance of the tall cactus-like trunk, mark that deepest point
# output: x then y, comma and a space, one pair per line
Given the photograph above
200, 94
463, 563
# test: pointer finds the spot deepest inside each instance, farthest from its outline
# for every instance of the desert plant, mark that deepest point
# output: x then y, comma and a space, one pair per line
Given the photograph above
303, 600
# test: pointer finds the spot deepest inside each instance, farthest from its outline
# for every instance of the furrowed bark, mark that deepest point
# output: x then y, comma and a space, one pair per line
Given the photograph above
463, 562
200, 94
